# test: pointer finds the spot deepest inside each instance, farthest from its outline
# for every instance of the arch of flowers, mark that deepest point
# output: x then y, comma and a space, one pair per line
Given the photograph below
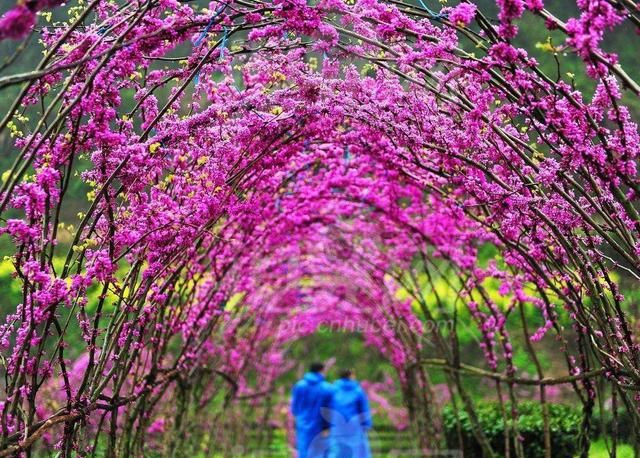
283, 165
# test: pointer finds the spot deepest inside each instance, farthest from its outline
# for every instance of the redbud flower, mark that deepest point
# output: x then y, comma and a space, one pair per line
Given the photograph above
17, 23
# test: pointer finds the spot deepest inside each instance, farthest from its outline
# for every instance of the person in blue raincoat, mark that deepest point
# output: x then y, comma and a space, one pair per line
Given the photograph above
350, 419
309, 397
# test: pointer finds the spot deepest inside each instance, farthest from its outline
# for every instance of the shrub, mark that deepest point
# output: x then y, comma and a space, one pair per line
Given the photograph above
564, 423
625, 426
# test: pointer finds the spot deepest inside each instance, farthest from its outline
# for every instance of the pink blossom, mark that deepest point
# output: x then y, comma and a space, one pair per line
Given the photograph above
463, 13
17, 23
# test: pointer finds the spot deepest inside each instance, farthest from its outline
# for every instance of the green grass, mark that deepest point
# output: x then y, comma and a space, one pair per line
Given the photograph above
385, 442
599, 450
381, 448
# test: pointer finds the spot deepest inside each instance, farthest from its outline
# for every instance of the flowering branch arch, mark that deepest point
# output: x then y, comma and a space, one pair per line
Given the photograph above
245, 157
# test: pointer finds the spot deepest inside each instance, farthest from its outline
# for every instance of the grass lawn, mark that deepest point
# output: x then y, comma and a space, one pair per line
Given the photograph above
599, 450
382, 446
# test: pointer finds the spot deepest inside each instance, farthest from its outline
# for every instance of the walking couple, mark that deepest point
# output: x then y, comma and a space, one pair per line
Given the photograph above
332, 420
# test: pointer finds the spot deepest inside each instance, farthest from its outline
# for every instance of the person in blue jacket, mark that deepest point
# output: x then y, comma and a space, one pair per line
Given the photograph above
350, 419
310, 396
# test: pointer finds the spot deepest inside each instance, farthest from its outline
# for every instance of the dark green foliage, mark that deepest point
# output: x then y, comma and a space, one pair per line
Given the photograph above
564, 422
624, 426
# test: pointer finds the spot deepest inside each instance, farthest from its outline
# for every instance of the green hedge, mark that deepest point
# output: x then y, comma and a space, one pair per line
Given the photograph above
624, 426
564, 422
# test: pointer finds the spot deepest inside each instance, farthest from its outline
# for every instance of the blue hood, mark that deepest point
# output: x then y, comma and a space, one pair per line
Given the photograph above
313, 378
346, 384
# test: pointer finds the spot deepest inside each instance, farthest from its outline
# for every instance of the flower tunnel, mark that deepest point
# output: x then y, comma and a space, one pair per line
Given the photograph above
257, 170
